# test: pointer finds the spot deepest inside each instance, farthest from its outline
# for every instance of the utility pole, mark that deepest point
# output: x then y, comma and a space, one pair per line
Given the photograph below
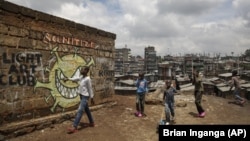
238, 65
192, 67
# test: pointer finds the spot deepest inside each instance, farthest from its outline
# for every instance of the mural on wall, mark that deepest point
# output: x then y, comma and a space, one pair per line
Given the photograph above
63, 93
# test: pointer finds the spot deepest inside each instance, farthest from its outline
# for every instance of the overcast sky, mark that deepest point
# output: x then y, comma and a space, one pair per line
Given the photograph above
173, 27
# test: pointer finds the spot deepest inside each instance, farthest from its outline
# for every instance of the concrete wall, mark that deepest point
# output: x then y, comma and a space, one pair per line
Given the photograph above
37, 50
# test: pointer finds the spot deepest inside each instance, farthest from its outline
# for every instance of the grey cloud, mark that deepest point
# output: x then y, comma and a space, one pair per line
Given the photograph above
145, 29
52, 5
185, 7
46, 6
243, 10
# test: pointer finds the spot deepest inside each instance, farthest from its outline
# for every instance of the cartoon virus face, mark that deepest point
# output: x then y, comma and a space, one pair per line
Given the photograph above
63, 93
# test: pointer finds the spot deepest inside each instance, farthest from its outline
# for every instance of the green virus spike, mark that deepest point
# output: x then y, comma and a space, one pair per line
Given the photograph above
76, 49
54, 51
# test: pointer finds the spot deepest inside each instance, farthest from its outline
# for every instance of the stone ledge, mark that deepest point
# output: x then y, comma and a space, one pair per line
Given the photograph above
24, 127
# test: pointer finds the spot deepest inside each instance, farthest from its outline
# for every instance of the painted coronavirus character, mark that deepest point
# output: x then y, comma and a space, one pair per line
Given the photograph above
64, 94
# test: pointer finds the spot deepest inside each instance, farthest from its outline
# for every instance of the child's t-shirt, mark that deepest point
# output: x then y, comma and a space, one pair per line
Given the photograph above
141, 86
169, 95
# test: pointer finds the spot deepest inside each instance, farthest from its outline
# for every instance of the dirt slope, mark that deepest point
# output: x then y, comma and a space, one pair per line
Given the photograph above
118, 123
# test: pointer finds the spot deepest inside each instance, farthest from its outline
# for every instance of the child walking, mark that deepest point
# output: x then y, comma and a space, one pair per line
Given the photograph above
85, 91
198, 92
141, 85
168, 98
237, 88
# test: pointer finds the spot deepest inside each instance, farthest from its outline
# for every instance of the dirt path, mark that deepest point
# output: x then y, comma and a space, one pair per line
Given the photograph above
118, 123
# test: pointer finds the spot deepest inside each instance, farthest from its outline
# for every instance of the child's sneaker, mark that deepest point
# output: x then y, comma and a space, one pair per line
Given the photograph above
136, 113
162, 122
139, 115
91, 124
172, 118
72, 130
202, 114
242, 102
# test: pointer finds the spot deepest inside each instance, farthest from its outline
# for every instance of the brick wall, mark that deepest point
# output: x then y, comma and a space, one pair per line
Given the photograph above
37, 50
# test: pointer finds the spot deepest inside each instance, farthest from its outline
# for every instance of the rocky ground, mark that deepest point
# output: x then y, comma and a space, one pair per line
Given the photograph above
118, 123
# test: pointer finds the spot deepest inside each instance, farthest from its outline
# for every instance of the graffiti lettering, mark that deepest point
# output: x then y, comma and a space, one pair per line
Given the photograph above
67, 40
106, 73
20, 80
22, 69
21, 74
21, 58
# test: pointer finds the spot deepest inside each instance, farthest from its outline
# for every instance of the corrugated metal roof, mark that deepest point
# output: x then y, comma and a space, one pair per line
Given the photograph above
158, 84
247, 85
221, 85
133, 74
208, 83
125, 88
129, 82
187, 87
213, 79
224, 89
225, 75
